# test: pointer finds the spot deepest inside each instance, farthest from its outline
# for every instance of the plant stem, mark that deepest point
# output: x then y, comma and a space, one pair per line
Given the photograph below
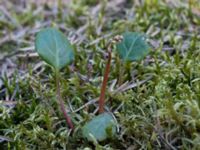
62, 106
127, 67
105, 80
106, 73
121, 72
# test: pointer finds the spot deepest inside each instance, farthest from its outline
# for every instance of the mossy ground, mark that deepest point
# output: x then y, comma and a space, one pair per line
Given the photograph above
161, 111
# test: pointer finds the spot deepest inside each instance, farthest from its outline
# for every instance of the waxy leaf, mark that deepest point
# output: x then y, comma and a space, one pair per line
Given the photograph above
54, 48
101, 127
133, 47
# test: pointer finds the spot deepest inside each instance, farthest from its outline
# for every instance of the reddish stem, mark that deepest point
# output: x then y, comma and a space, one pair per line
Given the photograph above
105, 80
62, 106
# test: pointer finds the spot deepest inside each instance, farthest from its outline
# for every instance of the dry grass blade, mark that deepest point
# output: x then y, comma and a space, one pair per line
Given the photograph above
4, 139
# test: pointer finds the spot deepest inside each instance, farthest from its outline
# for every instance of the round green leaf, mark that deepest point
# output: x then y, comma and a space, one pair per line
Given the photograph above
133, 47
101, 127
54, 48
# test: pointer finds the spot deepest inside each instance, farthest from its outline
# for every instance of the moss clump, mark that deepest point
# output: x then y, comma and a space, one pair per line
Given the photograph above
161, 113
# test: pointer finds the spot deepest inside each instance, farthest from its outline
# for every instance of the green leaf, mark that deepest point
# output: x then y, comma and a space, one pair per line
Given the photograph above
54, 48
133, 47
101, 127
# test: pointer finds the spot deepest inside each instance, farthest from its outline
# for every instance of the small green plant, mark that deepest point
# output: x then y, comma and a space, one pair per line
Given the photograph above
130, 47
100, 127
54, 48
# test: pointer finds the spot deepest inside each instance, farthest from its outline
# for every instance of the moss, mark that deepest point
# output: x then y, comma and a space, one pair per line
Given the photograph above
161, 113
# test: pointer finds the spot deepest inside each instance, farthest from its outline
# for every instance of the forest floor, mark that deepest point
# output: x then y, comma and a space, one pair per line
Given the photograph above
158, 104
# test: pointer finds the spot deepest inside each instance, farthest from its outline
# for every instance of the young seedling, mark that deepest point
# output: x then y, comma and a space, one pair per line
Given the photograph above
106, 73
54, 48
130, 47
100, 127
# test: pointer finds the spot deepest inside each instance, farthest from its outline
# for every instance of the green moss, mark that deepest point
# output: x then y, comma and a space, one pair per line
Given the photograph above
161, 113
